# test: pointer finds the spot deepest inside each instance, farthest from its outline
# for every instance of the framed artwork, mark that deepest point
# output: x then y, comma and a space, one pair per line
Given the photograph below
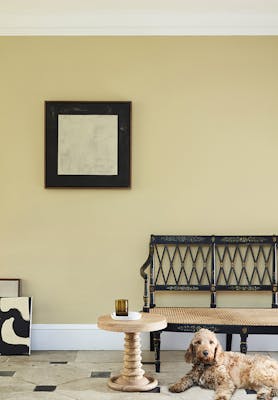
15, 325
9, 287
87, 144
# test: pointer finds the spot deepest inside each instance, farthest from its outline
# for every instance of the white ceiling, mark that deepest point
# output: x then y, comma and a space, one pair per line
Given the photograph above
138, 17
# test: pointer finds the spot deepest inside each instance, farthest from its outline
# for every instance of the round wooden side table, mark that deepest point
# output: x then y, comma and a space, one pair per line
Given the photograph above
132, 377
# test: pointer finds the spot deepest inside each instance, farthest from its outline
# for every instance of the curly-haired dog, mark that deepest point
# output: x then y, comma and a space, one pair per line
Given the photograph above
225, 371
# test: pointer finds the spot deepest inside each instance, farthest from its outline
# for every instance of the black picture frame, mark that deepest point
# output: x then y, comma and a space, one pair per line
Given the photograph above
113, 135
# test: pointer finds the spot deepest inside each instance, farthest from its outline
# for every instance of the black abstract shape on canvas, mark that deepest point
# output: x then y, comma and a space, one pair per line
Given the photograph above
21, 328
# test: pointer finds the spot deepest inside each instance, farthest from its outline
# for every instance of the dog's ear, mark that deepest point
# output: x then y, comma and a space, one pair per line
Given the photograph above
189, 354
218, 351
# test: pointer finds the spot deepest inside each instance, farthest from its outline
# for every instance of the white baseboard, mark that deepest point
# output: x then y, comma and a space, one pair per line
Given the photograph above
89, 337
74, 337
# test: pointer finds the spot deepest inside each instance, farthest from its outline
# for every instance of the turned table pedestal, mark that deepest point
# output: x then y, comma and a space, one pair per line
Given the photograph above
132, 377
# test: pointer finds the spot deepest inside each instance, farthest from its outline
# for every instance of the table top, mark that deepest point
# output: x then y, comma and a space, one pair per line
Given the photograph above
147, 323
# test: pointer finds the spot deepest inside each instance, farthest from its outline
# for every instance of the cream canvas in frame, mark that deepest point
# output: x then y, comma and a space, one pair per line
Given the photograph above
9, 287
88, 145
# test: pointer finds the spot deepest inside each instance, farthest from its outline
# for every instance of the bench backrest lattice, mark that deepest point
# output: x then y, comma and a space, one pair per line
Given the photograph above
210, 263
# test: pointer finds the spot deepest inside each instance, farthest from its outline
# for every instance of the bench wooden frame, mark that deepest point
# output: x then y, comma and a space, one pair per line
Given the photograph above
178, 263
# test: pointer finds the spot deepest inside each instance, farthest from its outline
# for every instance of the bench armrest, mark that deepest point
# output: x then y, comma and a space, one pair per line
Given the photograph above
145, 276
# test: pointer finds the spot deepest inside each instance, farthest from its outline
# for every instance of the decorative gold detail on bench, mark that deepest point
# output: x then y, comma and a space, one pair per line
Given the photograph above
183, 288
245, 288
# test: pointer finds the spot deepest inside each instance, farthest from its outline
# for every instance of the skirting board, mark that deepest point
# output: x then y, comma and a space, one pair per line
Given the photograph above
89, 337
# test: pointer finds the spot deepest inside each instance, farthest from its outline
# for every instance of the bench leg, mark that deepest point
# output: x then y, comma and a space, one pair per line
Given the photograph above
243, 340
229, 338
151, 341
156, 340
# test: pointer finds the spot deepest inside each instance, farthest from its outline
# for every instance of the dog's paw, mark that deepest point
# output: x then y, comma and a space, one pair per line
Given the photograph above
176, 388
264, 396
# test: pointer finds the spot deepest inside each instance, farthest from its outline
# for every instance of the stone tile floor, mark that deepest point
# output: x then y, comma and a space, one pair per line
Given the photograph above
82, 375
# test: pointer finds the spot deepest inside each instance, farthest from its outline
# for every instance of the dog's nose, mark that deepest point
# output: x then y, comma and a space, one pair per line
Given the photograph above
205, 352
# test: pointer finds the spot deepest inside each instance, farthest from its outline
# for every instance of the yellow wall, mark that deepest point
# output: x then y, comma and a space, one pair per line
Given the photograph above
204, 159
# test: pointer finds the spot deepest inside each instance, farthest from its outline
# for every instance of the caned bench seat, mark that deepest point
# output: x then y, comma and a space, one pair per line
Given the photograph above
241, 317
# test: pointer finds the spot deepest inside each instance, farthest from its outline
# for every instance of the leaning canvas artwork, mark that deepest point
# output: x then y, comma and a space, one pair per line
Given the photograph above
15, 325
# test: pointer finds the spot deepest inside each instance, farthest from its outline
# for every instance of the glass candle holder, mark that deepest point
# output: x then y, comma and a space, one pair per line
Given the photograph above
121, 307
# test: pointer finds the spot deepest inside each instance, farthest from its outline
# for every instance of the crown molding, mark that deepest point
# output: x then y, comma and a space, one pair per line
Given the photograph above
148, 23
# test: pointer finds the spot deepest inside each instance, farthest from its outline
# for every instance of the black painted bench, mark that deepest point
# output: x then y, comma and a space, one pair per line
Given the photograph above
212, 264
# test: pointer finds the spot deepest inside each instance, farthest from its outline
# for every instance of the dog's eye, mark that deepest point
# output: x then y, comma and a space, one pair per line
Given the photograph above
198, 342
211, 342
